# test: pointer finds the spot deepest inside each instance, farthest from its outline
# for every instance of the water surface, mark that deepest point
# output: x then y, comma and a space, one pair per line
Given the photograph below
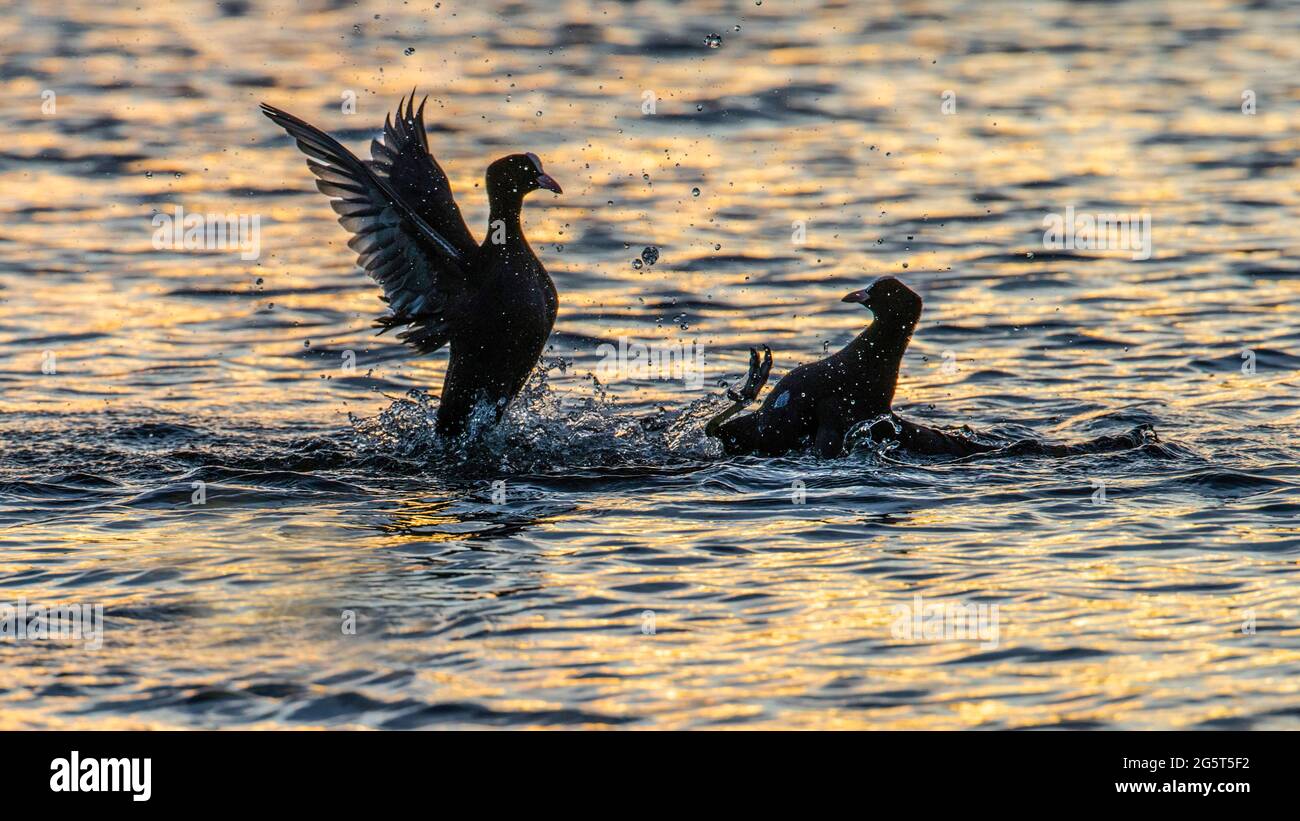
325, 490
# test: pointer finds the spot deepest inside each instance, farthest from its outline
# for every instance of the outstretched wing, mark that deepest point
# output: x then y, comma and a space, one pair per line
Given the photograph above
403, 159
421, 271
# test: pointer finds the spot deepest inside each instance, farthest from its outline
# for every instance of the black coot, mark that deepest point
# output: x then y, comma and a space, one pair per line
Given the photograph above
494, 303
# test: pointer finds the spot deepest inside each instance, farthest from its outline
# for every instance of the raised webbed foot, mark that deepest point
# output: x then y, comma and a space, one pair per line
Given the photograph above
757, 378
758, 371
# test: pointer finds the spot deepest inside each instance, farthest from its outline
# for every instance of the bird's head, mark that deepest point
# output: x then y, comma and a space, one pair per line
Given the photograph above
888, 299
517, 175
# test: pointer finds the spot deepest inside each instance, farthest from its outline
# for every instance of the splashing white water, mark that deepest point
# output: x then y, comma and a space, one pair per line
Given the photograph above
543, 430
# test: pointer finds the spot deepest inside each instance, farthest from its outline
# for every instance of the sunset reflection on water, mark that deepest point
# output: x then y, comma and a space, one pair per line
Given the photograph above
323, 493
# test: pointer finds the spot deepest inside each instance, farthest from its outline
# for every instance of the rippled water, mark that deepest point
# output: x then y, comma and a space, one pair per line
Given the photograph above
325, 490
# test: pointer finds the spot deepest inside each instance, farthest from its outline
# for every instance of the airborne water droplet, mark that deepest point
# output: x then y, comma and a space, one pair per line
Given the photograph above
650, 254
713, 40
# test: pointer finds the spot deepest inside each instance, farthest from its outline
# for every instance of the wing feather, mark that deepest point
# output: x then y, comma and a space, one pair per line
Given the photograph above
403, 159
423, 273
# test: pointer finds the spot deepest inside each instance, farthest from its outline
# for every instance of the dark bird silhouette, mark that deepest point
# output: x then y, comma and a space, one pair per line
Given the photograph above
494, 303
821, 403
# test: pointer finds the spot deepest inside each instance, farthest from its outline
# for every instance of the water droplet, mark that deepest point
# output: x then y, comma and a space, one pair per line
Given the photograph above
650, 254
695, 192
713, 40
717, 246
148, 174
409, 51
636, 263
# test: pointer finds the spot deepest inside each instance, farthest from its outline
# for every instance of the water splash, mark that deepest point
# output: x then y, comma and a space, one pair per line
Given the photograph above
542, 431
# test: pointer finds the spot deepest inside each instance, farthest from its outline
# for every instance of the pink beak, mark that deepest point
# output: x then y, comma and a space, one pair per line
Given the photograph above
547, 182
